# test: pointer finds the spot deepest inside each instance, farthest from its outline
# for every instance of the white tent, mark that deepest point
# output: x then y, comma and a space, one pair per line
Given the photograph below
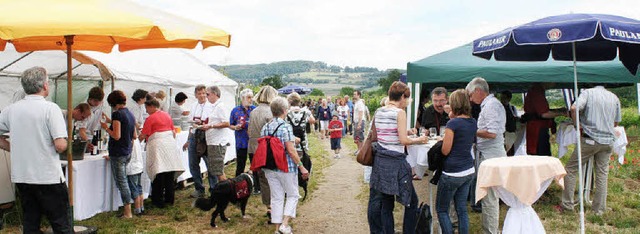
171, 70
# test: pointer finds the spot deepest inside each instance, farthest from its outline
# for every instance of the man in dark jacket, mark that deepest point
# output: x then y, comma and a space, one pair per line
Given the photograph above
435, 116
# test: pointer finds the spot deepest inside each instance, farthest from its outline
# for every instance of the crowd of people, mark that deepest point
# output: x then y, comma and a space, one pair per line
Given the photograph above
473, 135
473, 125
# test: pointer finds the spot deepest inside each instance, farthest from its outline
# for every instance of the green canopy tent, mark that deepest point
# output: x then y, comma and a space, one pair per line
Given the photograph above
456, 67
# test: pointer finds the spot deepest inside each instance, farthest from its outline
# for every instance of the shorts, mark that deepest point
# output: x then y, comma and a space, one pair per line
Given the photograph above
335, 143
215, 157
359, 133
324, 124
134, 185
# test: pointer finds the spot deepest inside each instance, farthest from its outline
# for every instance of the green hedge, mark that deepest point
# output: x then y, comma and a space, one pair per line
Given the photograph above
630, 117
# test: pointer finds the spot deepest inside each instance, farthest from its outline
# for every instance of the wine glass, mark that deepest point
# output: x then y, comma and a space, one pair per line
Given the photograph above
423, 131
432, 132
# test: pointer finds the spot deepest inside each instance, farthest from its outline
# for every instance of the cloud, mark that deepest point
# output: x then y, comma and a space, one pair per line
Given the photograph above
378, 33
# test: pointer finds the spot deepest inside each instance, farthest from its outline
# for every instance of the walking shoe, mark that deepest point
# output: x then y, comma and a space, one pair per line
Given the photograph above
285, 229
197, 194
256, 192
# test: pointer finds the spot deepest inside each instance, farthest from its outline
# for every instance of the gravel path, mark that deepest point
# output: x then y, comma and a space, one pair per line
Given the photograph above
335, 207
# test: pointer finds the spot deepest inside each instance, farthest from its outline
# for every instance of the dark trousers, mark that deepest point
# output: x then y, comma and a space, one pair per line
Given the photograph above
380, 213
241, 163
51, 200
544, 146
194, 167
256, 176
163, 189
241, 160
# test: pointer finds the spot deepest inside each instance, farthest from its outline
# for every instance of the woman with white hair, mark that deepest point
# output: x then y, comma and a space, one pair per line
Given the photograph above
284, 185
239, 122
258, 118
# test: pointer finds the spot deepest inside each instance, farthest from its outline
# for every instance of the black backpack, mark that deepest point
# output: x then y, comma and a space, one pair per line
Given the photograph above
271, 161
299, 130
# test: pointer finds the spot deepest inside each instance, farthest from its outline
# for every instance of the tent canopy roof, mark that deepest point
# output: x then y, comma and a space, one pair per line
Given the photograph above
456, 67
170, 67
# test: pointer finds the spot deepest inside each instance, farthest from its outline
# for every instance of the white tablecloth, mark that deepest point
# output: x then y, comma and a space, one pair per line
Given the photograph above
521, 218
94, 190
7, 189
504, 175
566, 136
417, 157
182, 138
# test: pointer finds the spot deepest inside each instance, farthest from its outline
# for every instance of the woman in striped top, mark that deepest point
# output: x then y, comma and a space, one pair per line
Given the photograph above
391, 173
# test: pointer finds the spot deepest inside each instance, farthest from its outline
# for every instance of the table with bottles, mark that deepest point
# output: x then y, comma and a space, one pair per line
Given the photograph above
95, 190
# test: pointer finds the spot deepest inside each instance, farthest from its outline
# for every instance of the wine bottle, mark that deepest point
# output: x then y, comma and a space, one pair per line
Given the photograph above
94, 142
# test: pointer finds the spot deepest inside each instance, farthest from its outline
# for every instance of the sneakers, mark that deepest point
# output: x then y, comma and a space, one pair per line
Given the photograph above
197, 194
285, 229
256, 192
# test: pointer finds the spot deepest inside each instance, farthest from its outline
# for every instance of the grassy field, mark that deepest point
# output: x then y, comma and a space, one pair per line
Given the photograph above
335, 81
182, 218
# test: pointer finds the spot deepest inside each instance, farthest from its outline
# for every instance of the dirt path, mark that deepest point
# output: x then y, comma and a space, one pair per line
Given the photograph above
335, 207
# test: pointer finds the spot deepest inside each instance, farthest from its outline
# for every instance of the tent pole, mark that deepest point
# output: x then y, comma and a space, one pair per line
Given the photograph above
578, 145
15, 61
416, 103
69, 42
409, 108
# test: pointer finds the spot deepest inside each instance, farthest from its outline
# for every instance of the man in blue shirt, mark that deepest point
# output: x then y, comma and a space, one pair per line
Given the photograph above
239, 121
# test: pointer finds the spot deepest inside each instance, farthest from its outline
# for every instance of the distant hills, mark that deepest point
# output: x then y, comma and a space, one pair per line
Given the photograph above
310, 73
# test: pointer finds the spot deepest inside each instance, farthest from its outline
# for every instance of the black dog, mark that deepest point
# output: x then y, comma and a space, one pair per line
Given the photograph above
306, 162
236, 190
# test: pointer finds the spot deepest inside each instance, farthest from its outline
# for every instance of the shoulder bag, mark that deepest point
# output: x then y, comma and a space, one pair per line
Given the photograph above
365, 153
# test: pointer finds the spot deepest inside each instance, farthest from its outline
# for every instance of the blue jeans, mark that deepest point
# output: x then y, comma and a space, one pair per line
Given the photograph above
380, 213
458, 189
119, 171
194, 167
134, 185
344, 127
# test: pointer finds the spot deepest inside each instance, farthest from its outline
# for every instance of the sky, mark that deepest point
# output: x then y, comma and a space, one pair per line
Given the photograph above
373, 33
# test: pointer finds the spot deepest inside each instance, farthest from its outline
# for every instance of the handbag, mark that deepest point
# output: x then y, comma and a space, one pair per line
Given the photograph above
365, 153
423, 226
201, 142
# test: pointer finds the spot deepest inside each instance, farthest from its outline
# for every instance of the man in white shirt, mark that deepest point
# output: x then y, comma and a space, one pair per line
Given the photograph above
490, 142
87, 126
358, 118
217, 133
38, 134
199, 114
80, 114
